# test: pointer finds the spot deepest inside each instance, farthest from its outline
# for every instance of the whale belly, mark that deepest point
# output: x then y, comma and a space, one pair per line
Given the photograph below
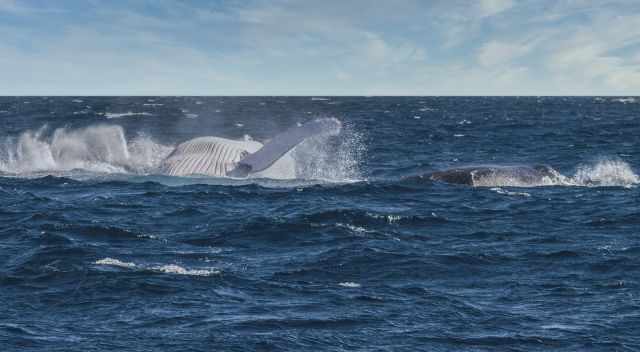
210, 156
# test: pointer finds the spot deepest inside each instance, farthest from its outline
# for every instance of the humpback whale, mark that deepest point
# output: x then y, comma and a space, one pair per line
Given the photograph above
492, 175
216, 156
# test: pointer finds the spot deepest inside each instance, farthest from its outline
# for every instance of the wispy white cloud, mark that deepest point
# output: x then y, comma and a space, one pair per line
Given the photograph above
493, 7
332, 47
495, 53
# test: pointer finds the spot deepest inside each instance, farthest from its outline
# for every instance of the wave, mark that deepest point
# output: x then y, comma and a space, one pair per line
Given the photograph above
165, 269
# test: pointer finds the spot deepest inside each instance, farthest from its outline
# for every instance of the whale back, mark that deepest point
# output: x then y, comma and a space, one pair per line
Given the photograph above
211, 156
495, 175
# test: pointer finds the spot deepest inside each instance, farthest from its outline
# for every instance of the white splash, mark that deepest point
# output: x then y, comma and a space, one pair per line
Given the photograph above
606, 173
102, 149
331, 158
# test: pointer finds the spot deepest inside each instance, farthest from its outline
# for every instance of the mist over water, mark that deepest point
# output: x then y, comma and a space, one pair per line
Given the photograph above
361, 250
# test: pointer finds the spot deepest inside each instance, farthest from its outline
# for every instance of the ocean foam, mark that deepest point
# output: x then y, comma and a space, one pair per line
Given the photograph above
178, 270
114, 262
167, 269
350, 284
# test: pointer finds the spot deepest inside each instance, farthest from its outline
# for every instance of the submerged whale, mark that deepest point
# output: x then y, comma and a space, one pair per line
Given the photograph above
496, 175
216, 156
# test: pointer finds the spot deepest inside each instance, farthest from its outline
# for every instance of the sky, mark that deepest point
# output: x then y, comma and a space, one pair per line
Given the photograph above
328, 47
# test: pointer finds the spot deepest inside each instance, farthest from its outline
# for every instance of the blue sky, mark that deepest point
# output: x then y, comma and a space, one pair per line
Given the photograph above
329, 47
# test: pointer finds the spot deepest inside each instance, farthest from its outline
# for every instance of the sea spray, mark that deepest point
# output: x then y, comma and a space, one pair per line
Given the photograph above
331, 158
606, 172
100, 148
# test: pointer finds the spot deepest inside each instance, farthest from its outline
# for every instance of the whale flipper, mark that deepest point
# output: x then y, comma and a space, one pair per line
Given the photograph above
284, 142
215, 156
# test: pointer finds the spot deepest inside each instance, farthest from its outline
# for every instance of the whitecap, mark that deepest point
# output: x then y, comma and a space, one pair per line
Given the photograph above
350, 284
628, 100
353, 228
114, 262
113, 115
178, 270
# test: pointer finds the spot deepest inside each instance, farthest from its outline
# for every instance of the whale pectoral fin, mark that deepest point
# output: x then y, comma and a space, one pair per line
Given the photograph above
282, 143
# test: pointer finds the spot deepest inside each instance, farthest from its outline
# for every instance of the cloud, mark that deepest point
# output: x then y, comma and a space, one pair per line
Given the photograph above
594, 55
291, 47
10, 6
495, 53
493, 7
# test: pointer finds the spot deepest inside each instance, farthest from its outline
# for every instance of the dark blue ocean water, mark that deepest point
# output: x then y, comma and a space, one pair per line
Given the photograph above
99, 252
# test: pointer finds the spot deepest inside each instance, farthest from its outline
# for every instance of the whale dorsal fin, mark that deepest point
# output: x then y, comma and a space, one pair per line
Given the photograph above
282, 143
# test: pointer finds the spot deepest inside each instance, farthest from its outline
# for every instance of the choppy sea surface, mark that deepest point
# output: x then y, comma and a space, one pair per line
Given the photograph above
101, 252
